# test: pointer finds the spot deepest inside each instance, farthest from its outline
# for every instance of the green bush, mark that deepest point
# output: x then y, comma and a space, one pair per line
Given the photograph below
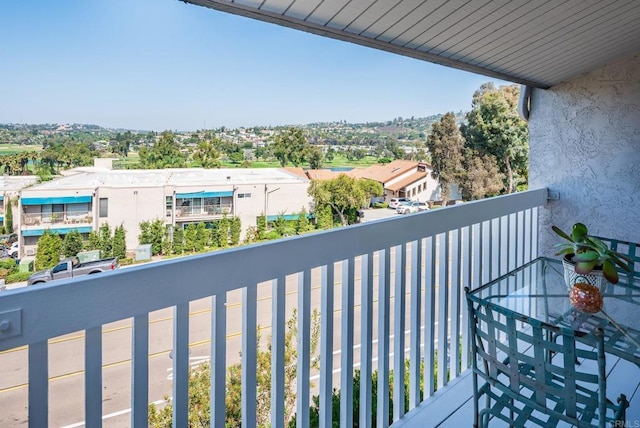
3, 273
9, 264
17, 277
125, 261
381, 205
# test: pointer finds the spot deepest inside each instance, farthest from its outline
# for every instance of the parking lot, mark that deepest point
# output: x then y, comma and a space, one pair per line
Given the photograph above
372, 214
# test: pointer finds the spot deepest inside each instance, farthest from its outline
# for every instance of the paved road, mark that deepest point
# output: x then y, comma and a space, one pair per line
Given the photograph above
66, 359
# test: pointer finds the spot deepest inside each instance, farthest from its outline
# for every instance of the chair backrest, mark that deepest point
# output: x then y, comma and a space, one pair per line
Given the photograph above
631, 249
531, 364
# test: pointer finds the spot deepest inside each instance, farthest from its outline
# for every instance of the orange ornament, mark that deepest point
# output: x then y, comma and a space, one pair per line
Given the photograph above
586, 297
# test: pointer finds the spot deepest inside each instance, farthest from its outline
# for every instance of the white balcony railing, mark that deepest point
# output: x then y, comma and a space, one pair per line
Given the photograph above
204, 210
57, 218
376, 285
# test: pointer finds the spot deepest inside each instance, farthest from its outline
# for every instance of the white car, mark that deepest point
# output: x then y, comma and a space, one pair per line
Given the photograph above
14, 250
395, 202
412, 207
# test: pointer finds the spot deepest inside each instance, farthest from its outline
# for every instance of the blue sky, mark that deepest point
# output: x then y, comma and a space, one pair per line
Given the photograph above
164, 64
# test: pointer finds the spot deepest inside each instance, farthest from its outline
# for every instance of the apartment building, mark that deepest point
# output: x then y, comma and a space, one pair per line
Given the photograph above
87, 198
10, 187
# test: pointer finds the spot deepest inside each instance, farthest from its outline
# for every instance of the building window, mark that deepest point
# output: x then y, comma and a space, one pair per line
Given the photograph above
244, 195
168, 204
104, 207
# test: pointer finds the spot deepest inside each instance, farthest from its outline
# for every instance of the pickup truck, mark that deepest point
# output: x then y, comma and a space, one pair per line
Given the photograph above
71, 268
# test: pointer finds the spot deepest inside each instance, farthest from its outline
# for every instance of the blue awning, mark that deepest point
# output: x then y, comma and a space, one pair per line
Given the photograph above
1, 197
219, 194
58, 231
57, 200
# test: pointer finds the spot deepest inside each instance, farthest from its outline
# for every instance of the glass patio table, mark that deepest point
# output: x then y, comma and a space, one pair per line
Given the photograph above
538, 290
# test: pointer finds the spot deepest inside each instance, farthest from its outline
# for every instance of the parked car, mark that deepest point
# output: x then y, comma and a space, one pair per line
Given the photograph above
14, 250
71, 268
8, 239
412, 207
394, 202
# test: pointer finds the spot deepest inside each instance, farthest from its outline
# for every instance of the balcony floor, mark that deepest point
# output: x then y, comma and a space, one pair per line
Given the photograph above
453, 405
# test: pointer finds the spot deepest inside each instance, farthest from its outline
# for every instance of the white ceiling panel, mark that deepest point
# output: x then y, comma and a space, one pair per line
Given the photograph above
535, 42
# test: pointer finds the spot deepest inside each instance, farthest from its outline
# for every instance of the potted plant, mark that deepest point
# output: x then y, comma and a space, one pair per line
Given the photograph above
589, 257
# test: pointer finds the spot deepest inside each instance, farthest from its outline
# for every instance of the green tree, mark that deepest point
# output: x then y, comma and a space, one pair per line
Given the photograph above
49, 250
344, 194
303, 224
200, 384
235, 229
72, 243
315, 157
200, 237
222, 235
495, 128
446, 145
153, 233
8, 216
190, 238
324, 217
177, 246
93, 241
106, 240
206, 155
165, 153
261, 226
482, 176
290, 146
119, 242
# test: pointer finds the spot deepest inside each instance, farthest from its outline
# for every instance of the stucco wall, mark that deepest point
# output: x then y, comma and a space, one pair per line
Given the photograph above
585, 145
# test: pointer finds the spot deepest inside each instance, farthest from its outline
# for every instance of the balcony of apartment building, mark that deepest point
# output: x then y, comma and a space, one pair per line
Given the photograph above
59, 213
201, 206
389, 292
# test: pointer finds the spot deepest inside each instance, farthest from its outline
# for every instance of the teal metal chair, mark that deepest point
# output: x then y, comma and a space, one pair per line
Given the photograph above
534, 374
631, 249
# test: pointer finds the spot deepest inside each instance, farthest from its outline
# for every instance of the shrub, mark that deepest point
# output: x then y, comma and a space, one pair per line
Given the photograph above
381, 205
9, 264
17, 277
125, 261
3, 273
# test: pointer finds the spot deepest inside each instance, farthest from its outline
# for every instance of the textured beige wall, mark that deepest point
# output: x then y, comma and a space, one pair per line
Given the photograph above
585, 145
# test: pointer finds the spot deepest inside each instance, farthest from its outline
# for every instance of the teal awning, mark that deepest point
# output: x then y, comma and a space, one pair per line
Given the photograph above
1, 197
57, 200
58, 231
287, 217
219, 194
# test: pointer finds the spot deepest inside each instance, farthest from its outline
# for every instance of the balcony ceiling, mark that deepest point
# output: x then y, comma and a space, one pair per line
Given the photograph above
534, 42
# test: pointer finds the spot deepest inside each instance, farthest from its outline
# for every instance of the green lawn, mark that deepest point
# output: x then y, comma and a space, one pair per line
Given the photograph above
12, 149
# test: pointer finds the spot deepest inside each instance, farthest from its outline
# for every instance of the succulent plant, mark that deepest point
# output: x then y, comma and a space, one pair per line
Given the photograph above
590, 252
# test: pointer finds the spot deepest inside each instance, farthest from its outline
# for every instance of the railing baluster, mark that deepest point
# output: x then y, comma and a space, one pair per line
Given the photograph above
534, 229
326, 346
277, 351
140, 371
416, 310
218, 359
399, 313
476, 248
456, 289
346, 336
429, 315
39, 384
249, 354
93, 376
465, 282
383, 339
443, 308
304, 346
366, 335
181, 365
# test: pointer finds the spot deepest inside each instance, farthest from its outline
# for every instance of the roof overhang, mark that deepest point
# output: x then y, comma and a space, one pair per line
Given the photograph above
532, 42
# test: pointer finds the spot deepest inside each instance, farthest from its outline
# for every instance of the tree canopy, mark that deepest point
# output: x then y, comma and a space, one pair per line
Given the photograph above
290, 146
164, 153
446, 145
344, 194
494, 128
